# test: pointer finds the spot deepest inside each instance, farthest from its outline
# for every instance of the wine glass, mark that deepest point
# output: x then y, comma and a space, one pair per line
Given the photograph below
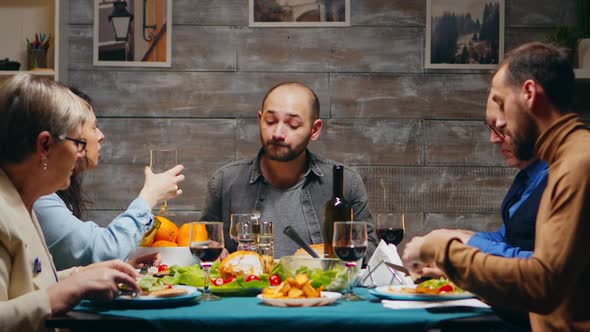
206, 245
162, 160
350, 244
390, 228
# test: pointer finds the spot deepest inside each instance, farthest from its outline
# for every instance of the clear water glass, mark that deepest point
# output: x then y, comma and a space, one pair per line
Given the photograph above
266, 238
162, 160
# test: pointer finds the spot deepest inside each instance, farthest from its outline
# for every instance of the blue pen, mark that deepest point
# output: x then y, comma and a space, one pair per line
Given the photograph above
37, 266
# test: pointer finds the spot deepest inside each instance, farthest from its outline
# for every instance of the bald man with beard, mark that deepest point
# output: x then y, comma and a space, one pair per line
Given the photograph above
286, 182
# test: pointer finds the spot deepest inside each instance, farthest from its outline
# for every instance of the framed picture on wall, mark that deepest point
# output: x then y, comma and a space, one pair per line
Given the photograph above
299, 13
132, 33
464, 34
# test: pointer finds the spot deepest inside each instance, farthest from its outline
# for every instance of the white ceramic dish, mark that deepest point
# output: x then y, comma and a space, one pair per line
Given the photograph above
390, 293
325, 299
170, 255
143, 301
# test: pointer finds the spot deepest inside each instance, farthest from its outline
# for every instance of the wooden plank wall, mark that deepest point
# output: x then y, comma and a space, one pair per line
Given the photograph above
415, 135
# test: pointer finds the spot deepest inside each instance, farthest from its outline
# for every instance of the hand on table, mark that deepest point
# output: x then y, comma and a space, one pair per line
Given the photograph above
96, 281
152, 259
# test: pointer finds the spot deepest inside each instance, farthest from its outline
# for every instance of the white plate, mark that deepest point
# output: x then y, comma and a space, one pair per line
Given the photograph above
326, 298
390, 293
144, 300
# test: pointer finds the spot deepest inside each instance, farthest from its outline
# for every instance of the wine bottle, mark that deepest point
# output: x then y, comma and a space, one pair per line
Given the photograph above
336, 209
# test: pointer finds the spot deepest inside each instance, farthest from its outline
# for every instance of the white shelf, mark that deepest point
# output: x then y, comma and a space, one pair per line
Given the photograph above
582, 74
44, 72
21, 20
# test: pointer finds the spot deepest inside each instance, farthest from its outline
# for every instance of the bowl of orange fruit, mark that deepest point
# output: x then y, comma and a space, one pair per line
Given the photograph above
171, 241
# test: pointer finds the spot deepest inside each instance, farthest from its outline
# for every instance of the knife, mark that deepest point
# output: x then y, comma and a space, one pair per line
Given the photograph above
398, 268
292, 234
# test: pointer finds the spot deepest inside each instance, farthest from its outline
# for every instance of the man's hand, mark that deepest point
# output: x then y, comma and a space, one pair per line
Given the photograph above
412, 253
430, 270
461, 234
411, 256
224, 254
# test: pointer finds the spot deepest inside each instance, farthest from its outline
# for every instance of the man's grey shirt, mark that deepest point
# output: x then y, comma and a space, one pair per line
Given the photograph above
240, 187
282, 209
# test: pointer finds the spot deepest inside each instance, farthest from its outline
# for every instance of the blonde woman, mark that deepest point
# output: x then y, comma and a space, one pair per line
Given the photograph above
40, 142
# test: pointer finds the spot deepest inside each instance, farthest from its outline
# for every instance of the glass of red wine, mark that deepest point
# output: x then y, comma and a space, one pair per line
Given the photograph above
391, 228
350, 244
206, 245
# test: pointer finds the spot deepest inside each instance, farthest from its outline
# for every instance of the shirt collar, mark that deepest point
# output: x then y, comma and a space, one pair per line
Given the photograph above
535, 169
313, 167
549, 142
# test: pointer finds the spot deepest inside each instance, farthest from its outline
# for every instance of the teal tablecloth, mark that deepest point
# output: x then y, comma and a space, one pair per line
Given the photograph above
249, 314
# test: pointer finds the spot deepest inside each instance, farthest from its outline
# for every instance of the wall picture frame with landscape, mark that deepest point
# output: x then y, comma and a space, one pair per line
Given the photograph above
464, 34
132, 33
299, 13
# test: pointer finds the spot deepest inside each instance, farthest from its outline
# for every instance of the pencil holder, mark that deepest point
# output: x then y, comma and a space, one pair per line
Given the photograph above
37, 58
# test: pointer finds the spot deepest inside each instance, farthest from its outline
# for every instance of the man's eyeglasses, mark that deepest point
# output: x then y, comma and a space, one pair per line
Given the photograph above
80, 144
493, 128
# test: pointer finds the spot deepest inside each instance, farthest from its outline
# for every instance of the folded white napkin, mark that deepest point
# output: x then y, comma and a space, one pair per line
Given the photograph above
380, 274
474, 303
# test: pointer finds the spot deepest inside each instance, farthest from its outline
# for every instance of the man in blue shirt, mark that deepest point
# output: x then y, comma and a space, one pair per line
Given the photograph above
516, 237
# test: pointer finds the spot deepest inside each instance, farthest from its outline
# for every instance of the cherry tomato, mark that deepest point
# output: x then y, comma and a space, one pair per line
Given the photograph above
228, 280
252, 277
217, 281
446, 289
168, 286
274, 280
162, 268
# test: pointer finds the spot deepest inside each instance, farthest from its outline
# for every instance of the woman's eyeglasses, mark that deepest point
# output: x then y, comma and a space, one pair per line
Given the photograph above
80, 144
493, 128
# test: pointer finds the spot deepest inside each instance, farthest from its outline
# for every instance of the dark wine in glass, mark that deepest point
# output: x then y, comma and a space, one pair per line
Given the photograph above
349, 243
206, 253
206, 244
391, 228
391, 235
350, 253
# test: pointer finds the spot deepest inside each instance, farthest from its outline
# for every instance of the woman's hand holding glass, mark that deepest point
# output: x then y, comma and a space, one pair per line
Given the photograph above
162, 160
161, 187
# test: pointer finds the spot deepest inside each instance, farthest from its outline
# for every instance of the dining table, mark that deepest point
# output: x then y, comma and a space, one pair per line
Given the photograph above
248, 313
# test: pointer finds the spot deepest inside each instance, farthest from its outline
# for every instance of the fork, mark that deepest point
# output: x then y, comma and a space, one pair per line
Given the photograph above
144, 269
123, 291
